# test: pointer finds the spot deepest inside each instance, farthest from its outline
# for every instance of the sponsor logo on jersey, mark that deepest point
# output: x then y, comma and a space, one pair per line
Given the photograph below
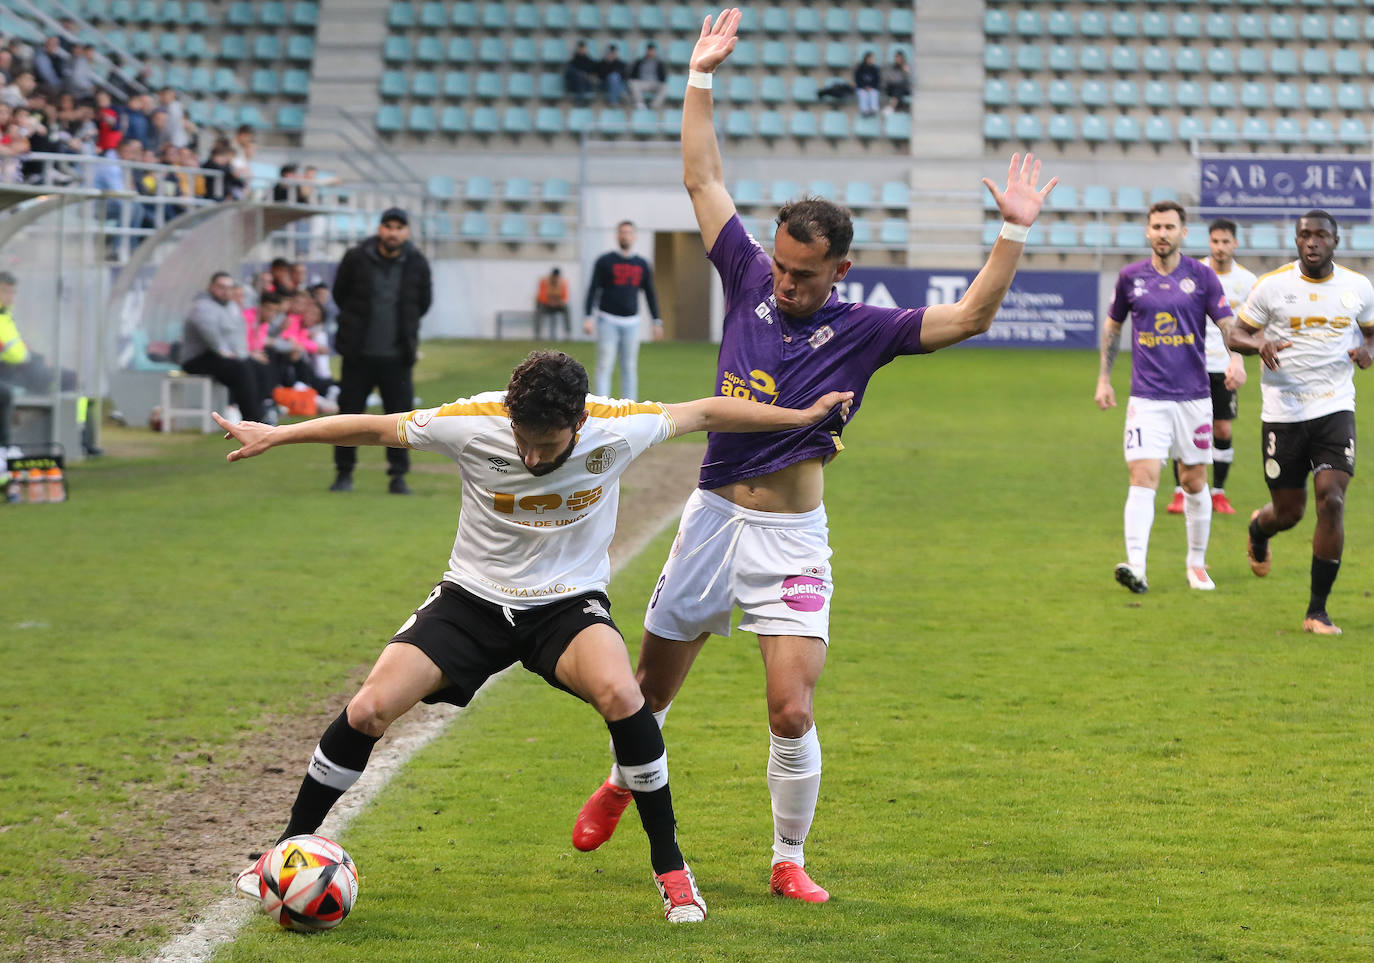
601, 460
1187, 286
498, 464
1165, 323
822, 334
1202, 437
594, 607
1349, 300
763, 312
422, 418
802, 593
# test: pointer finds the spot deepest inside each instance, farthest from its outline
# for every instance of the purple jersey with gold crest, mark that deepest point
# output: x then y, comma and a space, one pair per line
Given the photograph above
770, 357
1168, 314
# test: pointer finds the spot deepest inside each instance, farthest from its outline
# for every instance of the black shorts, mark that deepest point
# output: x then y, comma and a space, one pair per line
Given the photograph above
1290, 450
1225, 401
471, 639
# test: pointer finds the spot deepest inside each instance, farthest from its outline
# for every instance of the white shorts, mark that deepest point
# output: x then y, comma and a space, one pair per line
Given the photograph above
1169, 429
774, 566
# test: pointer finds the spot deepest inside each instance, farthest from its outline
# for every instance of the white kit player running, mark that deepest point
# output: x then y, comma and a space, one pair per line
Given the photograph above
1225, 368
754, 535
540, 465
1312, 323
1168, 298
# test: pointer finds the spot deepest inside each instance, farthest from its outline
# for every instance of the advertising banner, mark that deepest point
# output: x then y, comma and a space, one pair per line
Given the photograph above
1241, 185
1043, 309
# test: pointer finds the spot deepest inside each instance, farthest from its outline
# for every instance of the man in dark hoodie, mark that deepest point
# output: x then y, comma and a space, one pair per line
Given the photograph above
383, 289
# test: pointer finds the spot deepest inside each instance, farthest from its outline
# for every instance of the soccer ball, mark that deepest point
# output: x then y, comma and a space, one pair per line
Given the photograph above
308, 883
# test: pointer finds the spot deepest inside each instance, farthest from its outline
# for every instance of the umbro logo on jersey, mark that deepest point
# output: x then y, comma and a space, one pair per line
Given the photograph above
499, 464
595, 608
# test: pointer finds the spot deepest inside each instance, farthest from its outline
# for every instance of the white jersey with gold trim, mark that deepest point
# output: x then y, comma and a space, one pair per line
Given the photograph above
1324, 320
526, 540
1236, 284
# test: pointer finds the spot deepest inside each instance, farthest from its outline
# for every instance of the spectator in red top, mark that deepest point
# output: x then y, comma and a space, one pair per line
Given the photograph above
108, 134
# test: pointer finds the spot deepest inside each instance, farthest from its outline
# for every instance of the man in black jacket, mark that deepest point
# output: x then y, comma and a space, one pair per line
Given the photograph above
382, 289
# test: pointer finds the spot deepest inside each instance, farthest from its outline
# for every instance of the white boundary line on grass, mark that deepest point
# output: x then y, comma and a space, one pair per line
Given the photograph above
220, 923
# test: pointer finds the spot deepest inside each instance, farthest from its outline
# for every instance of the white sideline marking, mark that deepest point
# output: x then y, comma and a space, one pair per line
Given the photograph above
221, 922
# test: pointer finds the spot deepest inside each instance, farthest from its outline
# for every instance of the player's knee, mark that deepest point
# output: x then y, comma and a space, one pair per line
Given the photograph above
617, 698
368, 714
1331, 505
790, 720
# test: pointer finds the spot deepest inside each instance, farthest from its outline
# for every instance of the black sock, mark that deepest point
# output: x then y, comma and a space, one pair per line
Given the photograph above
1259, 540
342, 748
638, 742
1324, 572
1174, 466
1220, 469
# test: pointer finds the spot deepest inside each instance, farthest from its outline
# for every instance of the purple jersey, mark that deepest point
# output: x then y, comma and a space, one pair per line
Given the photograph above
1169, 315
770, 357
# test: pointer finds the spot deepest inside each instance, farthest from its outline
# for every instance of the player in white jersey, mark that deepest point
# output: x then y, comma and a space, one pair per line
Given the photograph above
1311, 322
1225, 368
541, 465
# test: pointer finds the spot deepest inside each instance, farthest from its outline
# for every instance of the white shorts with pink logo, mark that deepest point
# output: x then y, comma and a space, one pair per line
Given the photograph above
1169, 429
775, 567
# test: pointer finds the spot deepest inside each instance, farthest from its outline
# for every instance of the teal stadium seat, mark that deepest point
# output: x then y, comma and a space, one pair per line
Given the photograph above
1060, 24
770, 125
996, 92
1220, 63
997, 58
806, 54
1093, 93
651, 20
1093, 130
305, 13
991, 231
782, 191
1092, 59
1062, 130
474, 226
1027, 128
1158, 95
489, 86
267, 47
147, 12
1063, 234
806, 20
835, 125
421, 119
425, 85
394, 50
169, 45
389, 118
1262, 237
837, 21
996, 128
1251, 62
1249, 26
1282, 27
1313, 27
1287, 131
838, 55
401, 16
552, 228
581, 120
1123, 25
525, 18
485, 121
1162, 193
429, 50
1346, 63
551, 86
746, 54
556, 191
1030, 58
1129, 235
463, 16
1254, 130
1029, 93
1187, 61
1188, 94
1218, 26
225, 81
619, 19
516, 121
1254, 96
863, 233
588, 18
291, 117
739, 123
200, 81
747, 193
894, 233
142, 43
901, 22
1158, 129
457, 85
772, 90
548, 121
1190, 129
1091, 23
1130, 198
460, 50
611, 122
441, 187
897, 126
1124, 60
272, 14
1320, 132
1362, 238
1350, 97
491, 51
453, 120
520, 86
996, 23
1028, 24
1187, 26
494, 16
739, 89
1317, 97
1221, 96
196, 47
1097, 235
553, 50
859, 194
178, 77
868, 21
683, 19
1062, 59
263, 83
644, 122
1061, 94
1286, 96
1316, 63
1223, 130
239, 14
523, 51
1126, 93
433, 16
1126, 129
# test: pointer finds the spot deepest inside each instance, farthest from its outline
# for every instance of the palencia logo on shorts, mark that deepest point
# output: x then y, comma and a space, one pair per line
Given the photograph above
498, 464
601, 460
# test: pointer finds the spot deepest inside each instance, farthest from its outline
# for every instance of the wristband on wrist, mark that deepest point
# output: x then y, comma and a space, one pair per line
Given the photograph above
1014, 232
699, 78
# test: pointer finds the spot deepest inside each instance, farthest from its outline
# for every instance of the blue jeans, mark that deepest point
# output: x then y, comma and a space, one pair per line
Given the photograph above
615, 88
617, 336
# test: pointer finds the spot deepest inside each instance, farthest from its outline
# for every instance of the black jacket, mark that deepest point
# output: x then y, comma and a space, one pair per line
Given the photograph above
353, 294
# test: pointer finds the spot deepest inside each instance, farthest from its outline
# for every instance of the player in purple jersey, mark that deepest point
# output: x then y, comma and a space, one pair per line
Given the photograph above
1169, 298
754, 535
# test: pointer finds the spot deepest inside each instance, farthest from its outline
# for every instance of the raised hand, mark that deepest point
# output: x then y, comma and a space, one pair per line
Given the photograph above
716, 41
1020, 201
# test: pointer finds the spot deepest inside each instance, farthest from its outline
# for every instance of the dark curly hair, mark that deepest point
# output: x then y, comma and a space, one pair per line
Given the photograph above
813, 217
547, 391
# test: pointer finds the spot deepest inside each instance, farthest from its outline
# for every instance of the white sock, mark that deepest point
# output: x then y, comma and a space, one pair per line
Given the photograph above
617, 778
1140, 516
1197, 518
794, 782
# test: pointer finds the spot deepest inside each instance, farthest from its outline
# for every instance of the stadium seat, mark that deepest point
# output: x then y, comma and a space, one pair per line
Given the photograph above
520, 86
1158, 95
474, 225
806, 21
835, 125
225, 81
240, 14
803, 125
1030, 58
267, 47
739, 123
1286, 96
1096, 234
1254, 96
1251, 62
1158, 129
556, 191
290, 117
396, 49
1314, 27
1092, 59
859, 194
1187, 60
263, 83
1091, 23
651, 20
424, 85
1028, 129
897, 126
1156, 60
991, 231
1129, 235
1218, 26
1029, 93
901, 21
1262, 237
200, 81
1061, 94
389, 118
400, 16
421, 119
1093, 130
1062, 130
1126, 93
1317, 97
516, 121
1287, 131
548, 120
1063, 234
460, 50
1249, 26
996, 23
1188, 94
1062, 59
485, 121
1352, 131
739, 89
1126, 129
1362, 238
1350, 97
1282, 27
1130, 198
1319, 131
303, 14
745, 55
1028, 24
453, 120
1220, 63
489, 85
552, 228
441, 187
1094, 93
612, 122
838, 56
1315, 63
522, 51
997, 58
996, 128
894, 233
233, 47
863, 232
1346, 63
457, 85
868, 21
1221, 96
1059, 23
806, 54
1097, 197
1223, 130
804, 90
770, 125
782, 191
1124, 60
1187, 26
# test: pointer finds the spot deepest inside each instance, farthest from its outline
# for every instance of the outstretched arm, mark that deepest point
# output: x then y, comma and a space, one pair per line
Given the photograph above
1020, 203
350, 430
740, 415
702, 171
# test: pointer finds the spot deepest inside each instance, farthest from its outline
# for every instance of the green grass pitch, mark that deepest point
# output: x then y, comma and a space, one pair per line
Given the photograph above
1022, 760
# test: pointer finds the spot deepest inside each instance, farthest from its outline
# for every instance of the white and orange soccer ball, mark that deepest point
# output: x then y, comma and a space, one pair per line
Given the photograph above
308, 883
